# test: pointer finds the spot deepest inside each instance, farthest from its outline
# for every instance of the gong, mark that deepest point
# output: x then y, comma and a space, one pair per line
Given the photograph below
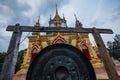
60, 62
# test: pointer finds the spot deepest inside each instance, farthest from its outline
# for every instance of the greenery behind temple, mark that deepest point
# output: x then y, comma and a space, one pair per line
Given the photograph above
113, 48
2, 56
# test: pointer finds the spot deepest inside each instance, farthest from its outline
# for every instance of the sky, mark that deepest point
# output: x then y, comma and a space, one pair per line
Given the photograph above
92, 13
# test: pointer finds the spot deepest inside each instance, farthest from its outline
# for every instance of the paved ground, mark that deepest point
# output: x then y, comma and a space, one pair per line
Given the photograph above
102, 75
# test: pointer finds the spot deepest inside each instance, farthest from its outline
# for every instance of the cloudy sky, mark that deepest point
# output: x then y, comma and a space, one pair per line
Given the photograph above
92, 13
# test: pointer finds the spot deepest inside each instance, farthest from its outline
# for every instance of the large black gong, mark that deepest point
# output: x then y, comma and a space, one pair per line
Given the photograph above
61, 62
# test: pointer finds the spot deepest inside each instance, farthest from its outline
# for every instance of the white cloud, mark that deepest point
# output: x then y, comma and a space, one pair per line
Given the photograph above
93, 13
34, 5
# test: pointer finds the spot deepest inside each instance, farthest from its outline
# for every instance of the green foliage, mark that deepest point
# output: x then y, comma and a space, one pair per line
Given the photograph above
2, 57
115, 54
1, 66
114, 47
19, 60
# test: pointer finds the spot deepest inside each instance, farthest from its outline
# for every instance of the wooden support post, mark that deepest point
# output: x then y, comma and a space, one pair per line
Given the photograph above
9, 64
108, 63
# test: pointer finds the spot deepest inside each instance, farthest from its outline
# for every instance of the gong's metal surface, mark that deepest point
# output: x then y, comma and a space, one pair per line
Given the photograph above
61, 62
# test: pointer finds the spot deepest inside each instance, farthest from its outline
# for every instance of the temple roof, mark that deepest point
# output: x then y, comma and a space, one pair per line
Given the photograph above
57, 20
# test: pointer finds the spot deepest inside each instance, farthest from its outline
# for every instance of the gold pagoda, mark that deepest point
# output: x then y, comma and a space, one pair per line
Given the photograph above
37, 42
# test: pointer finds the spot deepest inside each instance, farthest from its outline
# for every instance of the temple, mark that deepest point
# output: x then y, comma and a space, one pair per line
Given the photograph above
37, 42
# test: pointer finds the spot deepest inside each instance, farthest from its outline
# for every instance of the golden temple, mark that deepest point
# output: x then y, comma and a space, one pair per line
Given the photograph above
37, 42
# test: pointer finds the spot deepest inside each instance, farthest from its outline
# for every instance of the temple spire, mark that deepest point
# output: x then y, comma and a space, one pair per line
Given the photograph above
63, 17
38, 18
57, 14
50, 17
75, 17
38, 22
78, 24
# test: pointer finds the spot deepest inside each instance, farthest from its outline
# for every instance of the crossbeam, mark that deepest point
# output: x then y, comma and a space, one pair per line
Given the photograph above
56, 29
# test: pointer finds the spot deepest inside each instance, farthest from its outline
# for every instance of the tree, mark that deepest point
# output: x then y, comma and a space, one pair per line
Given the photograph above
2, 56
114, 47
19, 60
116, 42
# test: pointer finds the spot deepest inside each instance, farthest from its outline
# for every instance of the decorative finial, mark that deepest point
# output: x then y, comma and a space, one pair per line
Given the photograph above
56, 11
38, 23
78, 24
38, 19
63, 17
50, 17
75, 16
56, 7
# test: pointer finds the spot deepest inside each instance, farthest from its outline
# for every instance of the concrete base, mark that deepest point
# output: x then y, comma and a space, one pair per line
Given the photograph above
100, 74
19, 77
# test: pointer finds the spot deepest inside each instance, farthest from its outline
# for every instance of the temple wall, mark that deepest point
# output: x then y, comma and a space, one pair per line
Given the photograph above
46, 40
